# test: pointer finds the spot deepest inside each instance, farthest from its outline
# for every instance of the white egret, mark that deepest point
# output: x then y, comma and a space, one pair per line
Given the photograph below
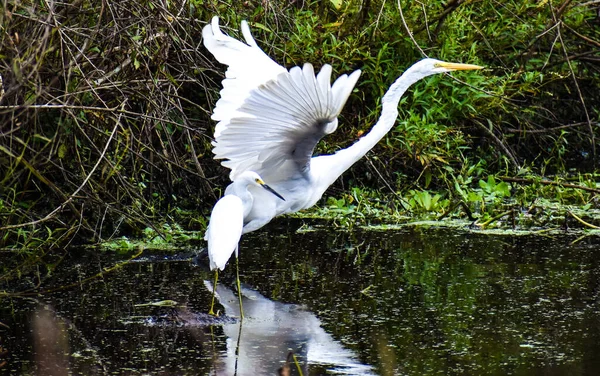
227, 220
270, 120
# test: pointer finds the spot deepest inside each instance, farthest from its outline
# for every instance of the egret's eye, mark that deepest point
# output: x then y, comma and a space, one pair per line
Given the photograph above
257, 180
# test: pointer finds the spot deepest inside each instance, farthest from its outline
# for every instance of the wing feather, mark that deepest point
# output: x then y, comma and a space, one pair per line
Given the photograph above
269, 116
342, 88
323, 83
281, 120
248, 67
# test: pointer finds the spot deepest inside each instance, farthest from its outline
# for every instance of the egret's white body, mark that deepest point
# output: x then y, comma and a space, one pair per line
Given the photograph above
227, 221
224, 230
227, 218
270, 120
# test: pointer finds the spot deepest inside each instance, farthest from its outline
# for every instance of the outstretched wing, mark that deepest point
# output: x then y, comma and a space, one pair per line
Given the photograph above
247, 68
277, 127
270, 119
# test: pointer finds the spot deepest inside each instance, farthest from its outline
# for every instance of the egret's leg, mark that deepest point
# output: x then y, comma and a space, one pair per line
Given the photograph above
237, 347
212, 303
239, 287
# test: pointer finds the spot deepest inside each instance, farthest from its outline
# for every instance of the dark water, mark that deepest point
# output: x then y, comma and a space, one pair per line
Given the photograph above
409, 302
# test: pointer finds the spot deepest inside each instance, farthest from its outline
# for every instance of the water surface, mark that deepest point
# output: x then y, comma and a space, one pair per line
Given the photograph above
409, 302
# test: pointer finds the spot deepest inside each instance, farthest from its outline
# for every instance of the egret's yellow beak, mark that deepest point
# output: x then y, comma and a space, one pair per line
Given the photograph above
458, 66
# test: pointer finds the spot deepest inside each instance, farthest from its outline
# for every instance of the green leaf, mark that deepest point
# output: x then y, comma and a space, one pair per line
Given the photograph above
337, 4
62, 151
474, 197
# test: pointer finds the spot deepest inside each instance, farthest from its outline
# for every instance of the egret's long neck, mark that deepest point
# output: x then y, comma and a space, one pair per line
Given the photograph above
240, 189
332, 166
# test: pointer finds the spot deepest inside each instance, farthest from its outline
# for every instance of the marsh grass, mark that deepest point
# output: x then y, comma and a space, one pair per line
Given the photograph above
105, 125
103, 117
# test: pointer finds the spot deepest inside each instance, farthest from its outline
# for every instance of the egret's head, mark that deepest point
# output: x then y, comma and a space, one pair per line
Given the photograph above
252, 178
432, 66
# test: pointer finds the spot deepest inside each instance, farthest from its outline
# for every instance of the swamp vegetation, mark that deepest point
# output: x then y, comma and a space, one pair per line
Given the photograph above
105, 135
105, 127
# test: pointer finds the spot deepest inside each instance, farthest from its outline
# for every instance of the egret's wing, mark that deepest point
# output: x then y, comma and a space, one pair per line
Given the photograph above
301, 108
281, 121
248, 67
224, 230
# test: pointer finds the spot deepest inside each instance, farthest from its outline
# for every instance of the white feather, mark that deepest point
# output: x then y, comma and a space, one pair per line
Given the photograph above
248, 67
265, 110
277, 116
342, 88
224, 230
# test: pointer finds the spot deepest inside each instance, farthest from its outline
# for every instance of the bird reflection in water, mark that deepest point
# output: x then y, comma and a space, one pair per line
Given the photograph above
271, 331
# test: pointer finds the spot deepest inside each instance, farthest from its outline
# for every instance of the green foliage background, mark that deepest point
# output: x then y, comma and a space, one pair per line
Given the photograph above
105, 117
